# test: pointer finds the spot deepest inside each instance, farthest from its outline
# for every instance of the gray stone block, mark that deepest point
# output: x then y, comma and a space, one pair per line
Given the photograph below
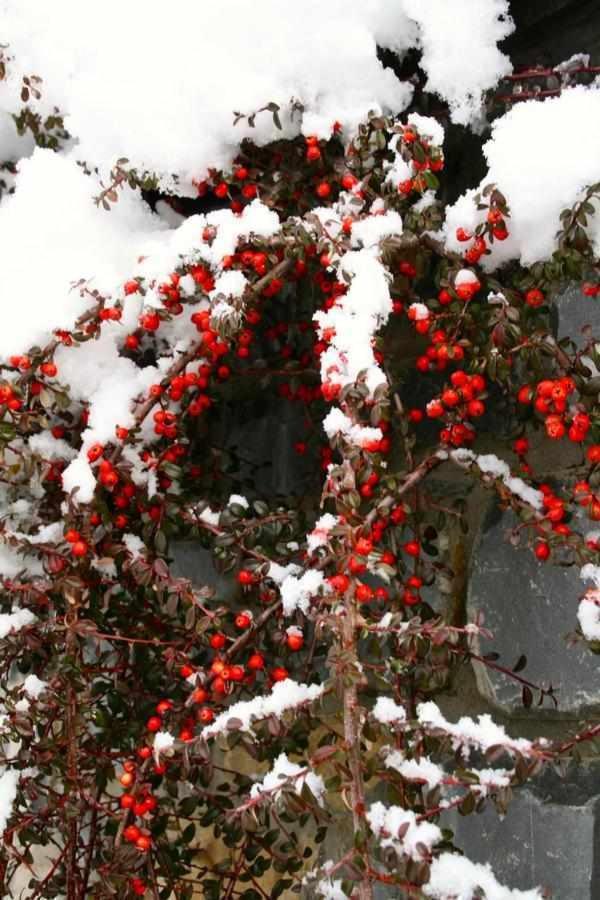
261, 438
191, 560
536, 843
575, 311
529, 607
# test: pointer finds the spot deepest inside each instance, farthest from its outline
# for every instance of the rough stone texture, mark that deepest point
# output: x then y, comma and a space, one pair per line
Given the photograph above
529, 607
575, 311
550, 31
192, 561
549, 840
261, 439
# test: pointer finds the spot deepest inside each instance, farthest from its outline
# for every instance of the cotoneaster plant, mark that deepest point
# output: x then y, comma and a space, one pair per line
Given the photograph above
323, 673
178, 251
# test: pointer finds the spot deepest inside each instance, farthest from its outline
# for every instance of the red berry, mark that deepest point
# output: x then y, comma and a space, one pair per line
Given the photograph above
339, 583
217, 641
256, 662
295, 639
363, 546
349, 181
534, 297
412, 548
245, 577
95, 452
143, 843
542, 550
243, 621
363, 593
154, 723
279, 674
79, 548
205, 715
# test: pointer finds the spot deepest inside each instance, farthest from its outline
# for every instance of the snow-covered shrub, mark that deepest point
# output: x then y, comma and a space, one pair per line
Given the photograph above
124, 333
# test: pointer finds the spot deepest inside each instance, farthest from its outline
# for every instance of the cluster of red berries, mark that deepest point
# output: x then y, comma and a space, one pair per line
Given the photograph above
440, 353
554, 513
494, 226
240, 187
550, 399
421, 160
366, 547
461, 401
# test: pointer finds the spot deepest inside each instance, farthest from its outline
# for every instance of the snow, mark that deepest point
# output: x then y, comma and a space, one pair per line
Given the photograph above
49, 447
536, 174
79, 476
53, 191
14, 621
177, 118
470, 734
34, 686
460, 55
9, 781
465, 276
415, 770
373, 229
109, 382
492, 779
319, 536
386, 822
229, 284
134, 544
418, 311
279, 573
184, 243
284, 696
336, 422
588, 614
590, 572
489, 464
357, 316
11, 563
163, 743
330, 889
238, 500
427, 127
387, 711
209, 516
297, 592
285, 773
454, 877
